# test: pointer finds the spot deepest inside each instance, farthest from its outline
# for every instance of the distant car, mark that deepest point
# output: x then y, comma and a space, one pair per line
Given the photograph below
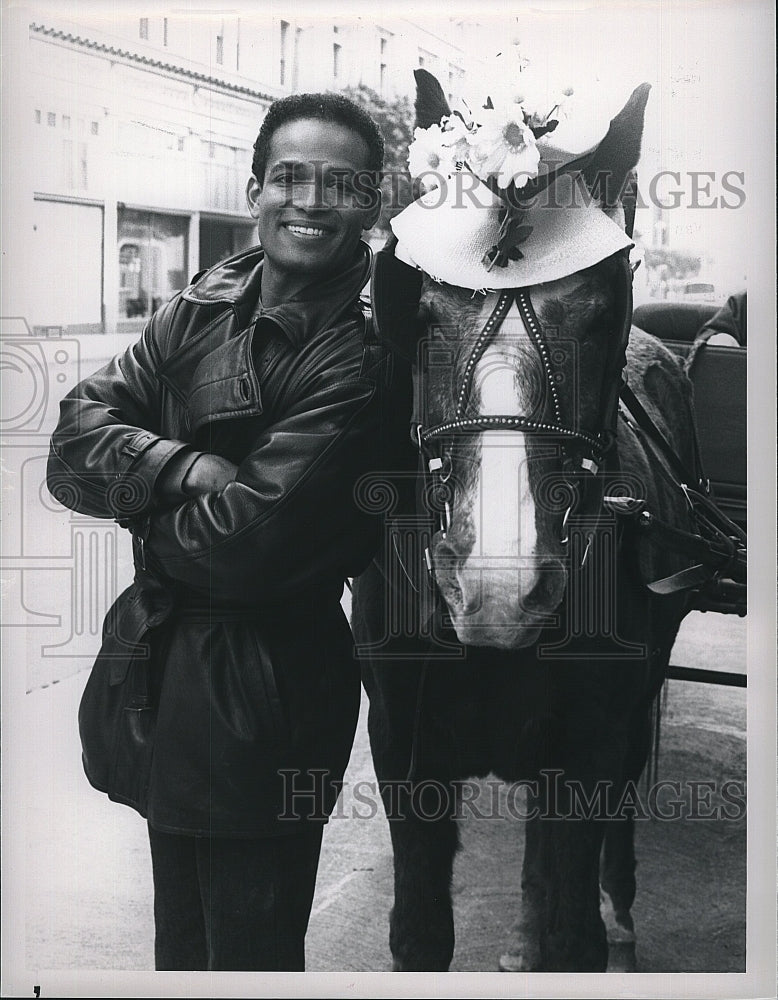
698, 291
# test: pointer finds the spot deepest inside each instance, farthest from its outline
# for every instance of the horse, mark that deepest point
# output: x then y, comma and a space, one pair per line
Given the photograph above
533, 646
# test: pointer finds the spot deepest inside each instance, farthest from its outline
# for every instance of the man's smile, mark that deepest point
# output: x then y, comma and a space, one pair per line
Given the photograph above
306, 231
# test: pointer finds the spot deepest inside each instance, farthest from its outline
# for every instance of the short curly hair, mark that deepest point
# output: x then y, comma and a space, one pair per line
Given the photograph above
328, 108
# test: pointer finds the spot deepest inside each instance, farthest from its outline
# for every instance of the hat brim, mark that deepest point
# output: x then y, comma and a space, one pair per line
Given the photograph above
448, 231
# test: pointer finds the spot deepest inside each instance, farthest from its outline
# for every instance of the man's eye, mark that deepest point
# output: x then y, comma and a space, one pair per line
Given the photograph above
344, 185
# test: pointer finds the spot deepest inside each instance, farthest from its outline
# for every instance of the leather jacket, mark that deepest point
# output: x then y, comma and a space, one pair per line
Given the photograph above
227, 667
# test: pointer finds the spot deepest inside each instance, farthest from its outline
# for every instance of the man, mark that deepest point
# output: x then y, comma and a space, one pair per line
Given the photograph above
231, 440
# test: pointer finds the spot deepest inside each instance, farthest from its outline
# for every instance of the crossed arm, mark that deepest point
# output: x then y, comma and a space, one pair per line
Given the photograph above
279, 521
189, 475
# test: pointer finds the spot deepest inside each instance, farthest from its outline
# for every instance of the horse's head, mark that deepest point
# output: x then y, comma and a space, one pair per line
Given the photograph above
516, 380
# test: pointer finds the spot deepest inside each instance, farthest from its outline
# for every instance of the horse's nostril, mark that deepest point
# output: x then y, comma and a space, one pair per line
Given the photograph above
445, 555
549, 588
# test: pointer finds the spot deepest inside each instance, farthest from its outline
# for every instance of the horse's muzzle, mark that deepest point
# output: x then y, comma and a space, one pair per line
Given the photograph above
498, 602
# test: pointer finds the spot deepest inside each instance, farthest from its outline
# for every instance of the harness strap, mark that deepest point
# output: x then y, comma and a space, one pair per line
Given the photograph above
721, 551
613, 378
637, 411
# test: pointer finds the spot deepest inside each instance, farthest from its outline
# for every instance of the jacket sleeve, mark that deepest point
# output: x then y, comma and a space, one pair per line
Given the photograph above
291, 517
105, 453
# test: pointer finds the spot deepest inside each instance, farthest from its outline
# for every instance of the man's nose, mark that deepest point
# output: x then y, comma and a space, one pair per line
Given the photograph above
311, 195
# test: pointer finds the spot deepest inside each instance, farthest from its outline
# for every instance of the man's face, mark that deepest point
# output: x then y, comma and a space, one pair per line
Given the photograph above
311, 206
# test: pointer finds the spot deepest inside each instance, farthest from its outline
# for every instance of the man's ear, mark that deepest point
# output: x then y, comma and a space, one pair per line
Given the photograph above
374, 210
253, 191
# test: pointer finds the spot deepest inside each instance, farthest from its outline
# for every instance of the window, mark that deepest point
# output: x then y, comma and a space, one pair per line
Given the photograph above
83, 176
37, 116
220, 49
66, 122
68, 174
336, 60
95, 128
382, 45
421, 60
297, 33
220, 239
164, 31
143, 28
51, 119
284, 45
180, 144
152, 252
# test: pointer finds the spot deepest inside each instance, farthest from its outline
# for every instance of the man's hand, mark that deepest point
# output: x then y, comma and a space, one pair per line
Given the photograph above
207, 474
189, 474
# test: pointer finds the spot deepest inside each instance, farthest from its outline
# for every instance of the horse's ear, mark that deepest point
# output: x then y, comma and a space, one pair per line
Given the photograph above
395, 291
610, 171
431, 103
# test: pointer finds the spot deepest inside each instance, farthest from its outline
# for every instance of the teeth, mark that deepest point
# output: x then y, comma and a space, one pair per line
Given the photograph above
306, 230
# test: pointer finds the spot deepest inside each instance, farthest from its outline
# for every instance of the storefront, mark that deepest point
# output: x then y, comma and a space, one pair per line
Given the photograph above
132, 184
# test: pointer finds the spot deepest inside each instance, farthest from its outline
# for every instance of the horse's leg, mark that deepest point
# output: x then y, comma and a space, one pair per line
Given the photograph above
424, 833
617, 863
421, 926
559, 928
528, 933
423, 830
576, 940
575, 799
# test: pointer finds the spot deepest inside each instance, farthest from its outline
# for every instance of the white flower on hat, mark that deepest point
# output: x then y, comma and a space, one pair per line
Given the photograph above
430, 155
505, 146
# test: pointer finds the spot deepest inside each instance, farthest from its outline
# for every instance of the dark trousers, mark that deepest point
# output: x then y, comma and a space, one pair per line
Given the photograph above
231, 904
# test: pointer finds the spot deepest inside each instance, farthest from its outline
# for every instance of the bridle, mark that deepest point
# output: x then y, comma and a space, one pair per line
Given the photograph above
584, 451
716, 544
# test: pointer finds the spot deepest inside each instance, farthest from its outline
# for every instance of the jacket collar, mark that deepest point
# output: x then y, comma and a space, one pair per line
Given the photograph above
236, 282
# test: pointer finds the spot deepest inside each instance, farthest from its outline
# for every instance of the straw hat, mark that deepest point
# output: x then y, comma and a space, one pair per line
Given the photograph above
448, 231
542, 218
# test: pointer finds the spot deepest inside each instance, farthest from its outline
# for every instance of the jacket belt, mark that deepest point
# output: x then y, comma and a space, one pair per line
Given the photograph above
208, 613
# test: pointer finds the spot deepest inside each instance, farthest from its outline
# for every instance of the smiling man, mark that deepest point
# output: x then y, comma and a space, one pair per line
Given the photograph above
230, 441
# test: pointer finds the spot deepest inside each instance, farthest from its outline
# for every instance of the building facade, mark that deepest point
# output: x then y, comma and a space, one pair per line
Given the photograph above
134, 141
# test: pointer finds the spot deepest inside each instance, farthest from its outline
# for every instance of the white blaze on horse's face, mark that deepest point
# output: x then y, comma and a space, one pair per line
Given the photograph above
499, 565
